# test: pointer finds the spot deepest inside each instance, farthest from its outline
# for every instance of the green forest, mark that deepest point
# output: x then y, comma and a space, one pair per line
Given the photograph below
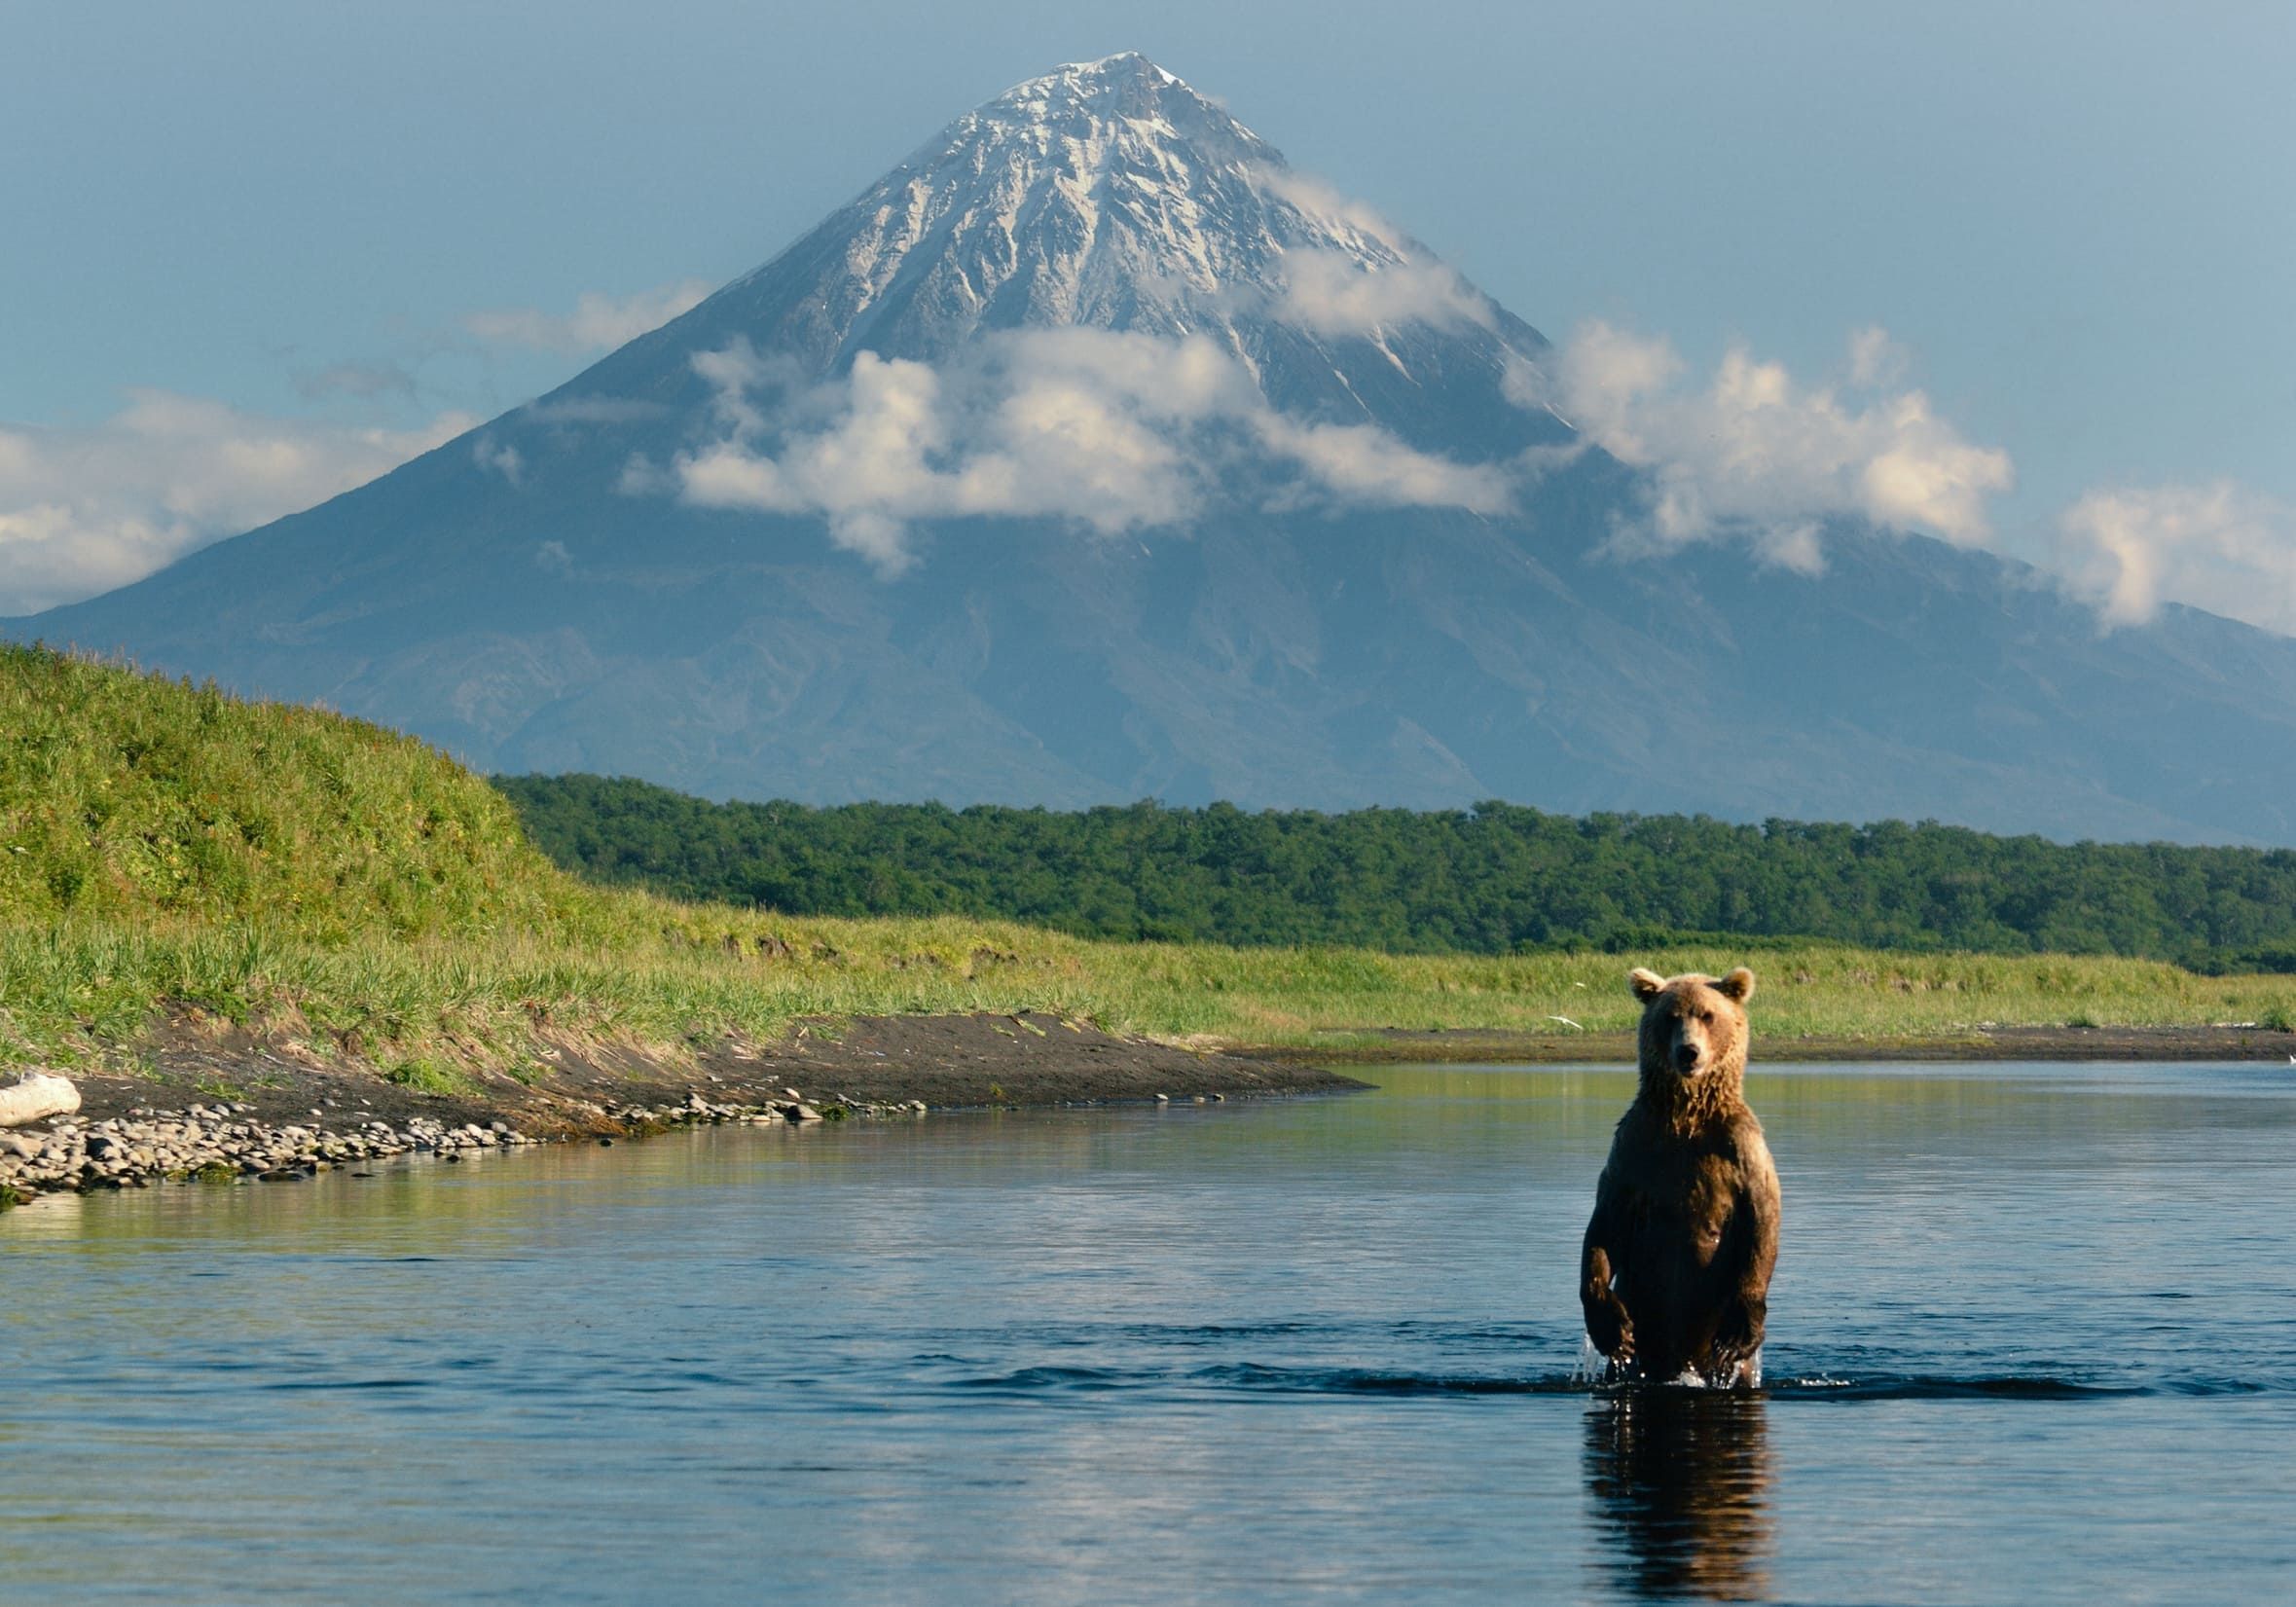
1494, 879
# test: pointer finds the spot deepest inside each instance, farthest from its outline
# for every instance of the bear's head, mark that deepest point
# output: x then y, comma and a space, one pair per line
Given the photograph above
1694, 1037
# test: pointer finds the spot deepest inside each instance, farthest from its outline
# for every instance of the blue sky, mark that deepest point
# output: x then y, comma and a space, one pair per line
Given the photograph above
258, 250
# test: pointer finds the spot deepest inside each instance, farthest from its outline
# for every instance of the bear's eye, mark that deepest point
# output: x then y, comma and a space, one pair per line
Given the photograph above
1707, 1016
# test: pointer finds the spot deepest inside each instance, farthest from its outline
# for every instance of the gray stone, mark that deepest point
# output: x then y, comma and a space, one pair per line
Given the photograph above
36, 1096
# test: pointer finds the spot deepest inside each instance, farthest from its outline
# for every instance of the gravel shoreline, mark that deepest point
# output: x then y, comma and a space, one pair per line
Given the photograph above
216, 1105
222, 1144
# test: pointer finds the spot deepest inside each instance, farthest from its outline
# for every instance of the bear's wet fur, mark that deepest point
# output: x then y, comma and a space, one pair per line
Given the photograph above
1674, 1275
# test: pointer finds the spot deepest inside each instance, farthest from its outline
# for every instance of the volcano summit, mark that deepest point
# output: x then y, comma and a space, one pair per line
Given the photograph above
1094, 452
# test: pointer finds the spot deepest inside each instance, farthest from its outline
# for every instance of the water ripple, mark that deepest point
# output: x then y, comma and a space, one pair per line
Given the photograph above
1266, 1379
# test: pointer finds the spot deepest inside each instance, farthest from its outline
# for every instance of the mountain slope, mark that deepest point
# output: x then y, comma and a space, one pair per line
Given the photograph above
1093, 454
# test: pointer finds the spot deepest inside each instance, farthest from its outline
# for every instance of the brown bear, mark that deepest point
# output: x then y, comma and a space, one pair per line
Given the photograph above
1674, 1275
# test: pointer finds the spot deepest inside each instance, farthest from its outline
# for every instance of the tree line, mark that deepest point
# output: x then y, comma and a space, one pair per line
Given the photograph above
1495, 879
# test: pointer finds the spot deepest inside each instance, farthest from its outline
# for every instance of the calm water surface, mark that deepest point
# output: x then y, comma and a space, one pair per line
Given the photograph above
2034, 1338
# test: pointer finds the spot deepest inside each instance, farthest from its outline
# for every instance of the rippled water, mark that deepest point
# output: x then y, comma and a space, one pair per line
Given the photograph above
2033, 1337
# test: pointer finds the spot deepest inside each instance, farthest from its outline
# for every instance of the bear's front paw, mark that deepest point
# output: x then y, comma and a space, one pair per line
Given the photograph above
1611, 1329
1739, 1335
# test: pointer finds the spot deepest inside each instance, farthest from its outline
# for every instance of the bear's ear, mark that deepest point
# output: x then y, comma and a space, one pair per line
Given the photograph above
1737, 985
1645, 983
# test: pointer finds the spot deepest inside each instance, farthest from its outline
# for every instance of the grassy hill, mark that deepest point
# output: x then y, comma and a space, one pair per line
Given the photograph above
167, 853
131, 797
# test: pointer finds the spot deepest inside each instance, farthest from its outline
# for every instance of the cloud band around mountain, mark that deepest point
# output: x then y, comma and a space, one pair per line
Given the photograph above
1113, 431
1326, 293
1754, 453
1125, 433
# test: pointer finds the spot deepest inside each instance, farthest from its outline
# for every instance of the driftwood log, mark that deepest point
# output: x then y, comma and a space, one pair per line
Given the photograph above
41, 1094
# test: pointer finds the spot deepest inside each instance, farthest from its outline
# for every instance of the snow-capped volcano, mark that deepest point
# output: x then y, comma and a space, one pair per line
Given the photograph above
1111, 196
1094, 452
1098, 299
1107, 194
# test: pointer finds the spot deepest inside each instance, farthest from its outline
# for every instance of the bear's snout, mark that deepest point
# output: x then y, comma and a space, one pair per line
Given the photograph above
1686, 1056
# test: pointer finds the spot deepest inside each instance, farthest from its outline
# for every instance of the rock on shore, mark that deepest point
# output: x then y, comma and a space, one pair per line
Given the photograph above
35, 1097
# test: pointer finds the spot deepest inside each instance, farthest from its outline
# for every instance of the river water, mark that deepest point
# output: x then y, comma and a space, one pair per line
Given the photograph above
2032, 1338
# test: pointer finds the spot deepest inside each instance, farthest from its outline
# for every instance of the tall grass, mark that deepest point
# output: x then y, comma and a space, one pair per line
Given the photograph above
83, 992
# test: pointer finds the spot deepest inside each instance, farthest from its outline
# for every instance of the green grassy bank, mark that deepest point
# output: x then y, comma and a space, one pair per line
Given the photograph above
84, 991
170, 854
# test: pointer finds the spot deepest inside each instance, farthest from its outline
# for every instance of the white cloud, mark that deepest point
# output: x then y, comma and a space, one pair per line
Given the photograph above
1332, 293
722, 476
1333, 213
1112, 431
1605, 378
1067, 445
1754, 453
1875, 359
737, 374
85, 510
1168, 379
1525, 384
504, 459
2219, 547
1363, 465
597, 323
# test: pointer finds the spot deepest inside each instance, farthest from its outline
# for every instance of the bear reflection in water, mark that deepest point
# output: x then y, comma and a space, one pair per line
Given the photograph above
1680, 1480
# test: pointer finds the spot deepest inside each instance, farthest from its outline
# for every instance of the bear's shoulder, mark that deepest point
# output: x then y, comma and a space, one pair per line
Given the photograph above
1733, 1128
1738, 1142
